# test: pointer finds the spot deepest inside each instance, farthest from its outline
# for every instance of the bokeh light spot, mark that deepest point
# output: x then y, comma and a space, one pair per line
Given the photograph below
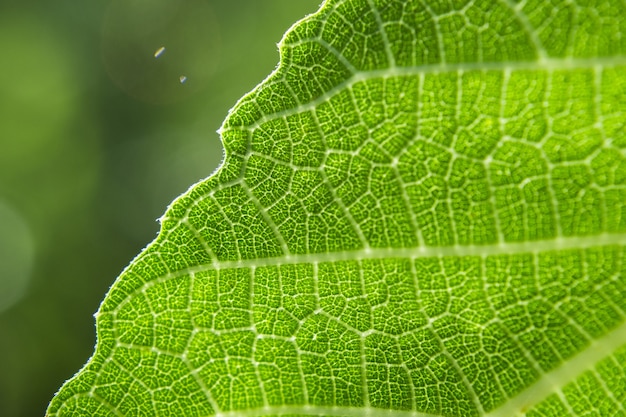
17, 256
135, 32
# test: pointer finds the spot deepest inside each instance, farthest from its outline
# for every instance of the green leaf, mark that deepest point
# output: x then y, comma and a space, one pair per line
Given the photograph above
420, 212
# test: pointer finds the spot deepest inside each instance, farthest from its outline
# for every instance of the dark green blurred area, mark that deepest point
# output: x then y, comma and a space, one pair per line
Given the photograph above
98, 136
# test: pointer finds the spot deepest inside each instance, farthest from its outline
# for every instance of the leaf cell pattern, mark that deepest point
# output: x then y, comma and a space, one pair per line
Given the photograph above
421, 212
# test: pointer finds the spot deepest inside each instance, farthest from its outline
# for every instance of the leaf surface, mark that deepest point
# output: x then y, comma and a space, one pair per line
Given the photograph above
420, 212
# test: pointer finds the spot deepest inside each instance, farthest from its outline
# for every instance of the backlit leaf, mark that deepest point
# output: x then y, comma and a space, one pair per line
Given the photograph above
421, 212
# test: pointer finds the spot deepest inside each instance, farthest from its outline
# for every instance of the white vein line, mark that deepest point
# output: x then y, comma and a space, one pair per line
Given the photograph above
549, 383
506, 76
472, 395
184, 222
554, 381
320, 410
406, 201
136, 381
522, 18
537, 246
333, 190
565, 402
418, 136
547, 64
619, 404
269, 221
339, 55
574, 30
604, 239
205, 390
422, 312
67, 404
253, 354
454, 156
383, 33
531, 361
435, 19
615, 277
292, 340
615, 402
599, 125
183, 357
550, 122
362, 340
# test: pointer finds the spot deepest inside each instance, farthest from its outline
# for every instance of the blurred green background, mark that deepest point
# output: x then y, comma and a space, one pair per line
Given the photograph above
98, 136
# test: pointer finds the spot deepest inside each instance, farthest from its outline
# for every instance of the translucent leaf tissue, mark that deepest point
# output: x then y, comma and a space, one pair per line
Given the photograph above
421, 212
